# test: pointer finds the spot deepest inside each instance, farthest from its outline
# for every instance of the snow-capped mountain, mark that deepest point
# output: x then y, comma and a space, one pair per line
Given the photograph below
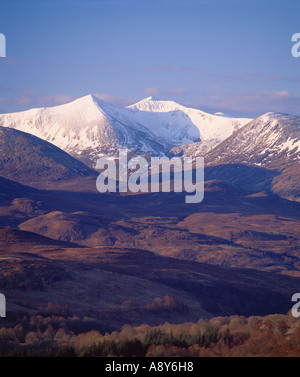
89, 127
85, 128
271, 140
179, 125
263, 155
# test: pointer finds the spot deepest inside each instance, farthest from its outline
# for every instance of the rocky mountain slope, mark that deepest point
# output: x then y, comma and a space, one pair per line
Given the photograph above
262, 155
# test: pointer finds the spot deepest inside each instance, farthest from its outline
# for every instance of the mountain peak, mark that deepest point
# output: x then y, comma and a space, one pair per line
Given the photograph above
87, 99
154, 104
151, 98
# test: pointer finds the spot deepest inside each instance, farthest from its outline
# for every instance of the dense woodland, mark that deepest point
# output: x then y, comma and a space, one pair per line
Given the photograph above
55, 332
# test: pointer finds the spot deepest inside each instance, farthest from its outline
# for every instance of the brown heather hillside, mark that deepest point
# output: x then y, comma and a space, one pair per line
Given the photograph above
107, 281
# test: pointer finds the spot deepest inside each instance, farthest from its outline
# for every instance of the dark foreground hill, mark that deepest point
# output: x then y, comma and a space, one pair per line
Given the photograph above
28, 160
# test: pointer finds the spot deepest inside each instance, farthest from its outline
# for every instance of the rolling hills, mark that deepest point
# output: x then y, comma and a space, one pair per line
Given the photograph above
98, 281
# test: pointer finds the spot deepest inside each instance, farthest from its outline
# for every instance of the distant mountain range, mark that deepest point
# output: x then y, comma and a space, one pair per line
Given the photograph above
260, 154
88, 127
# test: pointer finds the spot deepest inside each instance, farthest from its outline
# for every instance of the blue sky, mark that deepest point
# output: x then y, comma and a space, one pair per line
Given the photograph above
232, 56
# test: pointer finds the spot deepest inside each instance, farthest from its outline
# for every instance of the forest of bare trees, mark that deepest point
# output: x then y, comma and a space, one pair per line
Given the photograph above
54, 331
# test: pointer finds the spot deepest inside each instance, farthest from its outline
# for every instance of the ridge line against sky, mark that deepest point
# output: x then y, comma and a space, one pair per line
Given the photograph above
219, 56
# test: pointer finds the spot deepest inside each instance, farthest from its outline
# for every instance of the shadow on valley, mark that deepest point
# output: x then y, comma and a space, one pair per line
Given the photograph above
250, 178
19, 202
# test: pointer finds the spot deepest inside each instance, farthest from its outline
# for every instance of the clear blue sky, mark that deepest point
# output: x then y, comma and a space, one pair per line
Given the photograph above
232, 56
